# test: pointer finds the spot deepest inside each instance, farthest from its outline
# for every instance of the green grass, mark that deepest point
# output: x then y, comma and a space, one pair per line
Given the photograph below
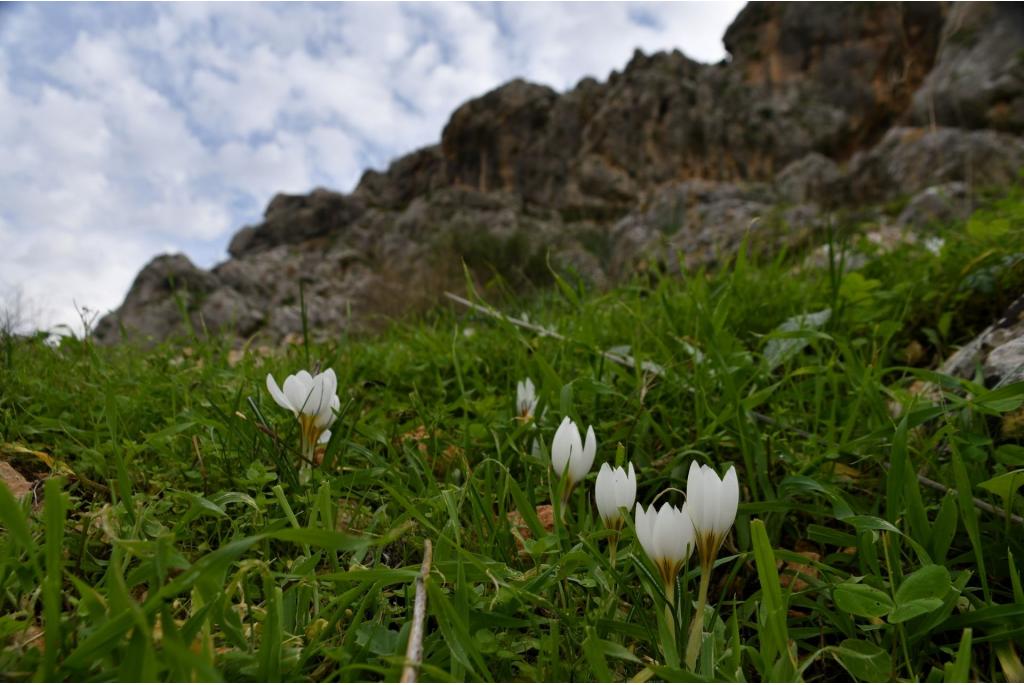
174, 539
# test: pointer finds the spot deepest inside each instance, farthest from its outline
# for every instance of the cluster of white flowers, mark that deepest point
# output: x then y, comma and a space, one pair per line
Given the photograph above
667, 535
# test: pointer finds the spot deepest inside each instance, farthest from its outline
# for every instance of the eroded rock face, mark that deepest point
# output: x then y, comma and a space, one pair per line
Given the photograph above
155, 300
978, 77
669, 163
292, 219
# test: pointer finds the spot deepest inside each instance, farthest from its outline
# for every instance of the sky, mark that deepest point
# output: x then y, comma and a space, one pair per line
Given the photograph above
130, 130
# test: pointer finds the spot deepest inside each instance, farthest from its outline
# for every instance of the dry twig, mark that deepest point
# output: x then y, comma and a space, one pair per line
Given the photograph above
414, 651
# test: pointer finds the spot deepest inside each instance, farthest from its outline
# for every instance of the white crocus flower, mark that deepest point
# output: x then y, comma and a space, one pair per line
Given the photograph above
569, 454
713, 502
615, 490
526, 399
667, 538
313, 400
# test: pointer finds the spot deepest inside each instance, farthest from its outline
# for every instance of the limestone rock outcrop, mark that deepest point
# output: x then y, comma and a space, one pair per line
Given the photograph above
668, 163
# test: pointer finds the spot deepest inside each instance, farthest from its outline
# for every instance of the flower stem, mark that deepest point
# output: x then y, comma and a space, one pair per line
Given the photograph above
613, 544
567, 489
697, 625
670, 594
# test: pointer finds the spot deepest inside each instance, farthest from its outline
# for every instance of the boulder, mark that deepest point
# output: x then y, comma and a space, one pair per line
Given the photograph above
936, 206
998, 351
811, 178
153, 307
909, 160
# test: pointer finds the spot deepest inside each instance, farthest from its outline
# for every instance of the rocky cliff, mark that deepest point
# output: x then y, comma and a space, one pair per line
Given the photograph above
669, 162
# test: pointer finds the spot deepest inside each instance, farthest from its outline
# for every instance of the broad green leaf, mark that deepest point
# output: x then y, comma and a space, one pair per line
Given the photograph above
793, 335
1006, 485
863, 522
862, 600
864, 660
922, 591
912, 609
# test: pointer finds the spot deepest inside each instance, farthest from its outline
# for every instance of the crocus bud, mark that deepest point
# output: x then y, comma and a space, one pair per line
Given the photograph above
526, 399
615, 490
713, 502
568, 452
666, 536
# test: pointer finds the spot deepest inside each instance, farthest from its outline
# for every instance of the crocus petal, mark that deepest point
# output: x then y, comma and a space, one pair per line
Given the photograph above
643, 521
712, 487
328, 390
581, 464
665, 534
561, 445
296, 389
279, 397
324, 437
687, 534
729, 502
325, 396
695, 494
329, 413
628, 494
604, 493
330, 382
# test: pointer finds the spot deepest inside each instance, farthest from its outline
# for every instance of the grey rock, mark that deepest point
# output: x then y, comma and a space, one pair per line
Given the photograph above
998, 350
227, 310
909, 160
153, 307
936, 206
978, 77
292, 219
811, 178
700, 223
1006, 362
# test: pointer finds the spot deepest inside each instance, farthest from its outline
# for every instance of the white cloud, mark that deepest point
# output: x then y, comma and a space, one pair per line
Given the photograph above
131, 129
